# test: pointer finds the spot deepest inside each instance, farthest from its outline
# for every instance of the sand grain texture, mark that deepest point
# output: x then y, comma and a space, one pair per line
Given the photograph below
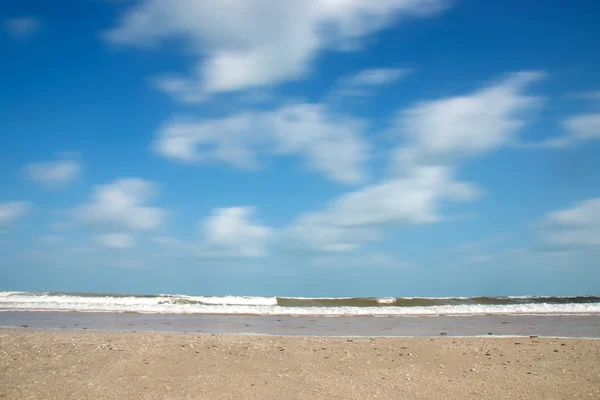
120, 365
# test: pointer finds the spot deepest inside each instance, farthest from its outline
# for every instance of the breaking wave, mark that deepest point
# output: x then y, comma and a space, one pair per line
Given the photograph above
401, 306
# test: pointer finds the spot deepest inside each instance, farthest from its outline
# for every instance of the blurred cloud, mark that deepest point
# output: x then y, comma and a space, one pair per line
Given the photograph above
574, 227
359, 217
54, 174
12, 211
331, 144
243, 44
447, 130
22, 28
365, 82
230, 232
118, 210
578, 128
116, 240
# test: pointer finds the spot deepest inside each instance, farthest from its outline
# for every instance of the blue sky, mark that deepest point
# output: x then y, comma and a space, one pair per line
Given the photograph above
302, 148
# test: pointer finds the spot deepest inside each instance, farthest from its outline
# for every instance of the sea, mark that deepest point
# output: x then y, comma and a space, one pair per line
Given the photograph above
297, 306
566, 316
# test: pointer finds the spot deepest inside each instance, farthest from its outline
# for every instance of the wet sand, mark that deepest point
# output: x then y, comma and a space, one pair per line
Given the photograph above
584, 326
66, 364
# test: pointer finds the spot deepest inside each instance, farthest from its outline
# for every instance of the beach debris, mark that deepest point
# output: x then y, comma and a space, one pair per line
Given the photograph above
443, 333
532, 337
24, 326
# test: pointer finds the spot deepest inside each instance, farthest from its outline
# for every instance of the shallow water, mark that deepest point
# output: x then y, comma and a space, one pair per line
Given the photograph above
525, 325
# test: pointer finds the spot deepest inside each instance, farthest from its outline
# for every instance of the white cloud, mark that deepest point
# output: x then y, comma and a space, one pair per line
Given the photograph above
361, 216
22, 28
584, 126
364, 82
438, 134
578, 226
116, 240
12, 211
579, 128
53, 174
226, 233
118, 210
376, 76
329, 143
444, 131
182, 89
232, 140
230, 232
243, 44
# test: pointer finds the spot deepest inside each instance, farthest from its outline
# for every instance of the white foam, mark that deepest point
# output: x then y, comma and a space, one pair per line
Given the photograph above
263, 306
317, 298
232, 300
6, 294
386, 300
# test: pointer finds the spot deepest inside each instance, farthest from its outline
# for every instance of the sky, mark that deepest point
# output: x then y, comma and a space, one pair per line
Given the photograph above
300, 147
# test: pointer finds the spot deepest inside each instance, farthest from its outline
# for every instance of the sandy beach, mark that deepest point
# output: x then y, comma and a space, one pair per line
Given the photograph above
48, 364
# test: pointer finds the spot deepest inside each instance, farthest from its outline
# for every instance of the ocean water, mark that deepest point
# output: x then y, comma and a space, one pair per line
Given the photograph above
297, 306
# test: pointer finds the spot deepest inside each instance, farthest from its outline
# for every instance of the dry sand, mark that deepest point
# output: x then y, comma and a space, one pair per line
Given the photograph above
120, 365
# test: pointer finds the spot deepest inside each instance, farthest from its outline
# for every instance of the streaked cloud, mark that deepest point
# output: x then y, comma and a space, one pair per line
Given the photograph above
243, 44
116, 240
54, 174
579, 128
22, 28
366, 82
436, 135
331, 144
444, 131
362, 216
231, 232
119, 210
12, 211
574, 227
